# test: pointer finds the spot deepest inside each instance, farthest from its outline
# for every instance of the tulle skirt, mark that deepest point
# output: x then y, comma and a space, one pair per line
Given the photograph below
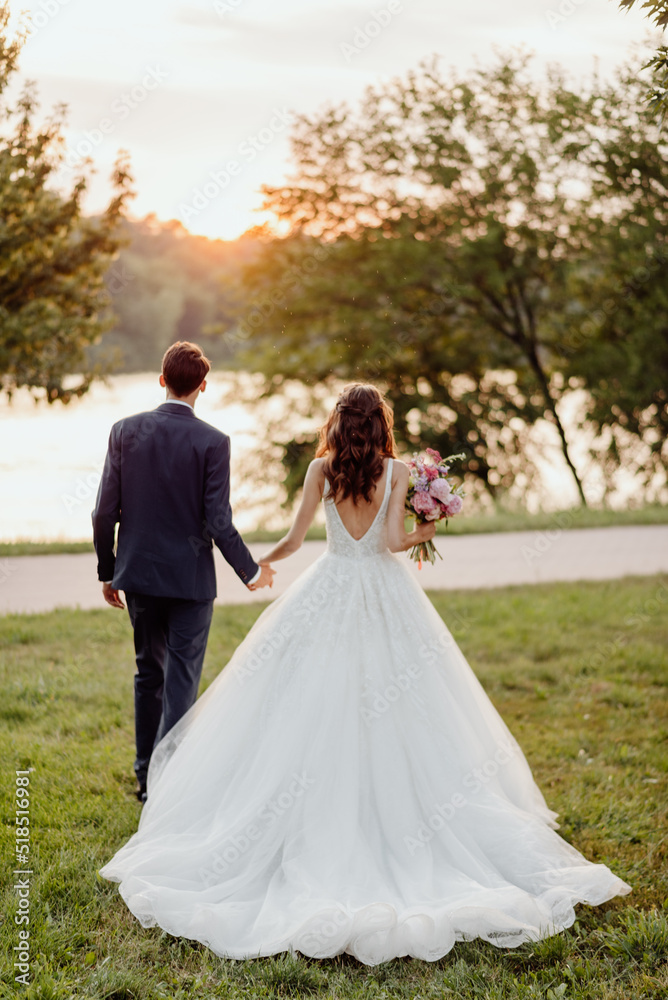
346, 785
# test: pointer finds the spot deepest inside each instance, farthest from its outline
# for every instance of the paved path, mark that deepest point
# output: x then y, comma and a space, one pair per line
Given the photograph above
41, 583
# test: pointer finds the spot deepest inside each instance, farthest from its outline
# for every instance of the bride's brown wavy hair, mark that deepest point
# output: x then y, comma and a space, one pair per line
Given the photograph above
357, 437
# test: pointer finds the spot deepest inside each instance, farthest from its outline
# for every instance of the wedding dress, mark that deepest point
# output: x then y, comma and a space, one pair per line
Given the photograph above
345, 785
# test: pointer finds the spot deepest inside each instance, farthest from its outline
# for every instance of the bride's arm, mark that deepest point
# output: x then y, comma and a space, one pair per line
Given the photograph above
314, 483
398, 539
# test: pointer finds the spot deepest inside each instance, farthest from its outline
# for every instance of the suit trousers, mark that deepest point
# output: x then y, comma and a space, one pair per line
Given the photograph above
170, 636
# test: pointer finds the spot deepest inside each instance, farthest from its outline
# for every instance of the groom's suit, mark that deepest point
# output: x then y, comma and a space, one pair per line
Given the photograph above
166, 482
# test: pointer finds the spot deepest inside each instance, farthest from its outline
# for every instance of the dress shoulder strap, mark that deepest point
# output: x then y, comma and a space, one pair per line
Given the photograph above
388, 480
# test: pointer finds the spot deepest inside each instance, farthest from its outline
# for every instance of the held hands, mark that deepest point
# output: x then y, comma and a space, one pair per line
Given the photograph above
265, 579
112, 596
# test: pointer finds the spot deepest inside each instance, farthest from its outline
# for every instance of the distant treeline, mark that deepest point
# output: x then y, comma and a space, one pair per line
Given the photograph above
169, 285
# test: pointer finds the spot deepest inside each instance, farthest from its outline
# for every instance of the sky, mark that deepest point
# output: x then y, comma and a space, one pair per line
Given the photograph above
202, 94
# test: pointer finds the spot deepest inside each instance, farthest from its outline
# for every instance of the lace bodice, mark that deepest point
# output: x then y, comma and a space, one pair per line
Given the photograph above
339, 540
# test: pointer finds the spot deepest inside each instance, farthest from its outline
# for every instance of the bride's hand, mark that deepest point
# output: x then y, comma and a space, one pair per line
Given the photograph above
424, 532
265, 579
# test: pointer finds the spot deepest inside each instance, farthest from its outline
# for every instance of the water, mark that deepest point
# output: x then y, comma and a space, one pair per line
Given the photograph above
51, 456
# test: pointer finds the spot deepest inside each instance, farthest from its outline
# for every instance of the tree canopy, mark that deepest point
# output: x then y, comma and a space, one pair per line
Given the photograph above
657, 11
168, 285
451, 239
53, 259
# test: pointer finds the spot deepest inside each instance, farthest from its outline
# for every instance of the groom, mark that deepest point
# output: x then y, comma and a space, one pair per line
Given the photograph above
166, 483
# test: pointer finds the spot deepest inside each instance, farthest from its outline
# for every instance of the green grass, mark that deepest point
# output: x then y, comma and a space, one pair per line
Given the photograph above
576, 517
469, 524
579, 673
24, 547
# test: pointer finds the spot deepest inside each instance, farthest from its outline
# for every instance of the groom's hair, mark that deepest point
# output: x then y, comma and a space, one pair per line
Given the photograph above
184, 367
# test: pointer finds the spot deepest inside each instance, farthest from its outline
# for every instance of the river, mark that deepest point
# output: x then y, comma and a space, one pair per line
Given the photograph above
51, 456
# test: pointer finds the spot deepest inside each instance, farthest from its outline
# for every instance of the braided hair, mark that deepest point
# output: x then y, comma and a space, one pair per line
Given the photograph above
357, 436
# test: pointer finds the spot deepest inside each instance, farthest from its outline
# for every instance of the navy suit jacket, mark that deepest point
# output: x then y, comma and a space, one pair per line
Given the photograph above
166, 482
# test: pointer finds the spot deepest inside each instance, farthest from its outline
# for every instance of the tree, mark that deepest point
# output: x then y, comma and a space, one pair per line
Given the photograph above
658, 94
53, 299
340, 311
448, 204
614, 336
168, 285
658, 10
449, 241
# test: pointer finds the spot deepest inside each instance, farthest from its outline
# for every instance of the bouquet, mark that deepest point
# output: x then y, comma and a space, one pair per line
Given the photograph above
431, 497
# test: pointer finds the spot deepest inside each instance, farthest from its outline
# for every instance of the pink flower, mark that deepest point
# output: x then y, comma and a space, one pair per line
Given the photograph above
434, 454
431, 472
452, 505
425, 504
440, 489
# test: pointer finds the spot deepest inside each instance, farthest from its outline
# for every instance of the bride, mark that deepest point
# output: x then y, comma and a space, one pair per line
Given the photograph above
345, 784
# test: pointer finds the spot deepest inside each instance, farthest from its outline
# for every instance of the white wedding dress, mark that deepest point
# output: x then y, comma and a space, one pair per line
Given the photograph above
345, 785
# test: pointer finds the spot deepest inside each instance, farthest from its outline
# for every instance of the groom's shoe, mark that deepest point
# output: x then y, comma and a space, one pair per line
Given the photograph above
140, 792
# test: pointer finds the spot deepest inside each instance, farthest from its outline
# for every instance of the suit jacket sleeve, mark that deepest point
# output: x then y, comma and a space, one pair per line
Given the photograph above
218, 513
107, 511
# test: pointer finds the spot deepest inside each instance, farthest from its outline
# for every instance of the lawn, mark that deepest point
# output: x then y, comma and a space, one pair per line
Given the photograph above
578, 671
468, 524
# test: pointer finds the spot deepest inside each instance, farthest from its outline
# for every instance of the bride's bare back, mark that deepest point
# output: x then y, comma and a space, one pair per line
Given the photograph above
358, 518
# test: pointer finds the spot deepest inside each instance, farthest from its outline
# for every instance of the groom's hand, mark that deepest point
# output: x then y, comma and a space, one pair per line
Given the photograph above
265, 579
112, 596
